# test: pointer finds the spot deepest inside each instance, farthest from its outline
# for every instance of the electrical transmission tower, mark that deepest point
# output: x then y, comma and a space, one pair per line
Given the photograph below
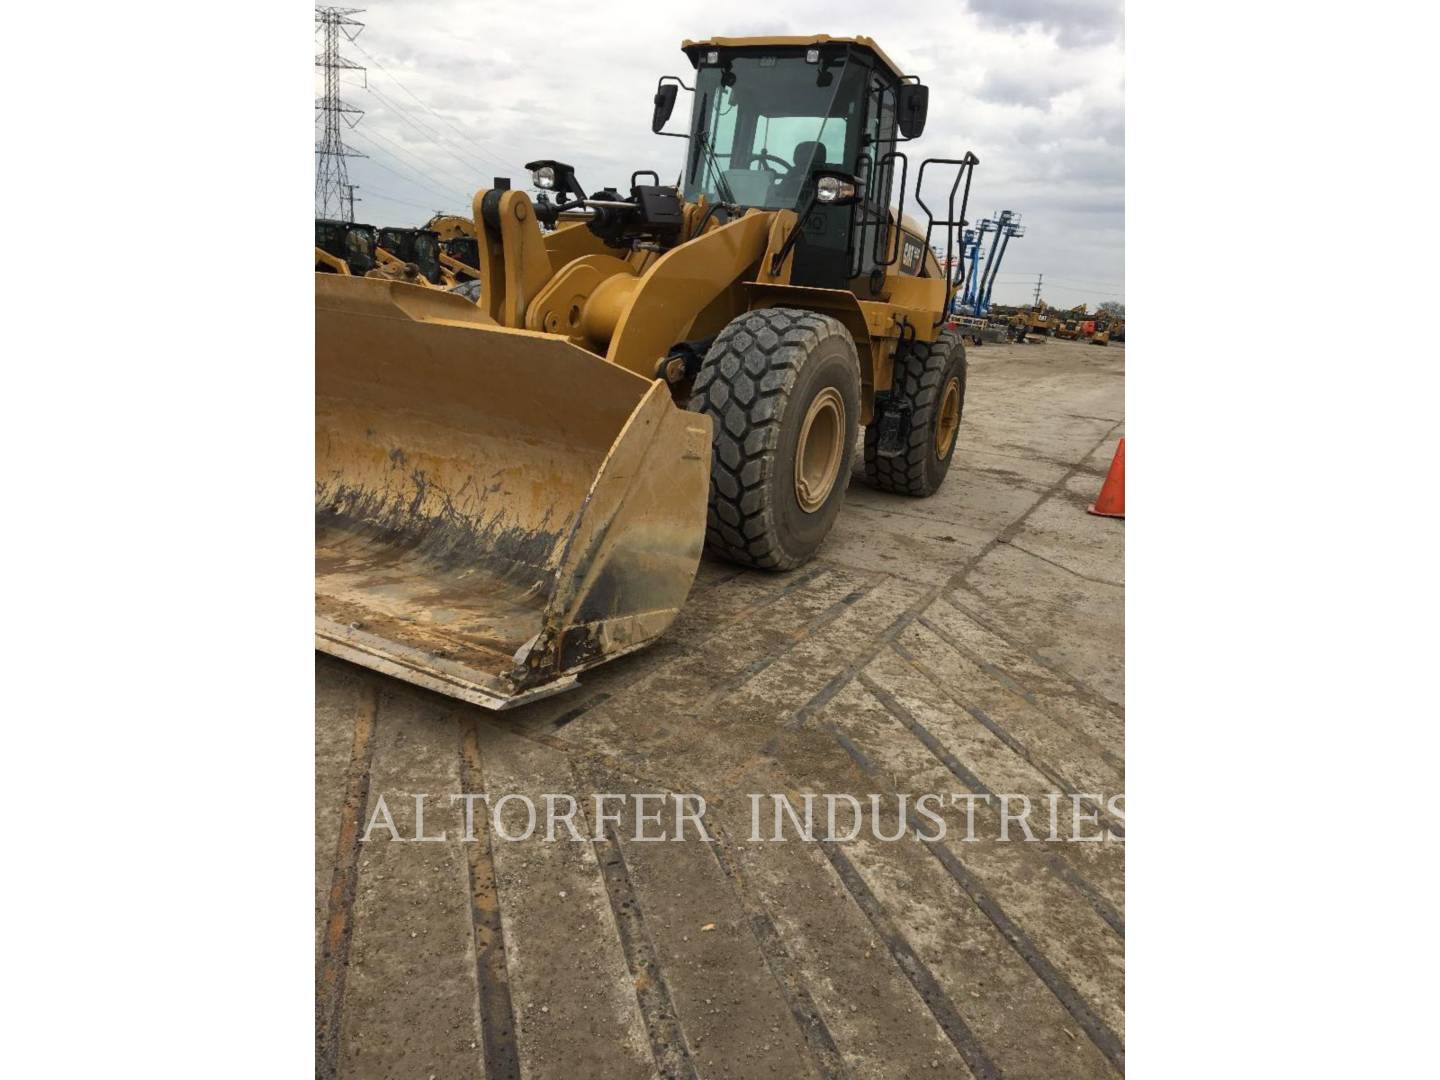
334, 194
1038, 280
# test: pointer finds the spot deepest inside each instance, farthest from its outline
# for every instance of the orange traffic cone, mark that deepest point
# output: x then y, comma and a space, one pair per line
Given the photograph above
1111, 502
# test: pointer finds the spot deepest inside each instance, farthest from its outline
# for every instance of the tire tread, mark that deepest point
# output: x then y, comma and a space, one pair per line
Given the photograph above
919, 372
745, 380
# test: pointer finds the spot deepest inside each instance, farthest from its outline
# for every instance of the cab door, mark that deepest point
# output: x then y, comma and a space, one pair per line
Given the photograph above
875, 241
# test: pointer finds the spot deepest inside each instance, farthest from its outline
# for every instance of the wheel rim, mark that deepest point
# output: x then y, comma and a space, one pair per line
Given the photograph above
821, 446
949, 421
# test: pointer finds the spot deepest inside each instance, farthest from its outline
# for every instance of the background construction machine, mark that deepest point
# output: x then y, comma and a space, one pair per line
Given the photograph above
343, 247
1073, 323
411, 252
1039, 320
459, 250
351, 249
510, 491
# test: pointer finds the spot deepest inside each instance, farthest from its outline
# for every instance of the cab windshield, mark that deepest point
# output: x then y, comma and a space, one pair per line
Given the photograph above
763, 123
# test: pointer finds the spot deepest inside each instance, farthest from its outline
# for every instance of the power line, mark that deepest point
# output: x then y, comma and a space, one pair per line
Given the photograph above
430, 135
445, 120
1056, 286
332, 180
1084, 288
1082, 285
432, 188
1025, 279
1087, 281
431, 207
1073, 281
421, 166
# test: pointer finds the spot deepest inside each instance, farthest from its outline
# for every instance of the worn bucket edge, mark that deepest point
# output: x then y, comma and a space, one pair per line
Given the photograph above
465, 690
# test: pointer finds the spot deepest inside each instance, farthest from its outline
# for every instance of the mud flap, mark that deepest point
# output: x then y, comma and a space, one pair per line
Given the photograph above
894, 421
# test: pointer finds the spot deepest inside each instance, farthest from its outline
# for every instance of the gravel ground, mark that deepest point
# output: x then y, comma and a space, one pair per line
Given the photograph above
971, 643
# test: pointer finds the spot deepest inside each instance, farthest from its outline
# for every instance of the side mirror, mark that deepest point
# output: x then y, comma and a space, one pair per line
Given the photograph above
911, 105
664, 106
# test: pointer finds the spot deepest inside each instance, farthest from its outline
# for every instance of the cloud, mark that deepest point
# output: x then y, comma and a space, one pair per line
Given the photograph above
1033, 87
1074, 22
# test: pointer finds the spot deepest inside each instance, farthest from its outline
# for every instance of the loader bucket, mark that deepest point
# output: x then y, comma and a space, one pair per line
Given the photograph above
495, 509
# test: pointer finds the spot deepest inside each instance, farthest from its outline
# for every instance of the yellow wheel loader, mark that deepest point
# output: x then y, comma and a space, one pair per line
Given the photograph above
343, 247
511, 491
411, 255
459, 253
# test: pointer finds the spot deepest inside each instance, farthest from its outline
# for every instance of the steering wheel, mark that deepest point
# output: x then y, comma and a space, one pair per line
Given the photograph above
765, 155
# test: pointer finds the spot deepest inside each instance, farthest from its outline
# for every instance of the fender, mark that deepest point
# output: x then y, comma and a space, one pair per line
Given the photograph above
664, 301
875, 360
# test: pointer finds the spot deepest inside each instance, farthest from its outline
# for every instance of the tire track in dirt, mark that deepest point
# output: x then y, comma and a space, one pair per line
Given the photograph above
335, 952
492, 980
1104, 1038
673, 1056
678, 646
883, 639
1025, 751
920, 976
824, 1054
1056, 865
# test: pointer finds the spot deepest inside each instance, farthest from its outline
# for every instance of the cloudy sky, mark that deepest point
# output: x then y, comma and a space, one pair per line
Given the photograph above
459, 91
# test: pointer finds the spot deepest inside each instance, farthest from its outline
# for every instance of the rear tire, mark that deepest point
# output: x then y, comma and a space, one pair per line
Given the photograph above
930, 379
781, 386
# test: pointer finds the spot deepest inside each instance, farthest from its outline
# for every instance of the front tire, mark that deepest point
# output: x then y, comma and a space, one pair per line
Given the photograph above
783, 389
930, 380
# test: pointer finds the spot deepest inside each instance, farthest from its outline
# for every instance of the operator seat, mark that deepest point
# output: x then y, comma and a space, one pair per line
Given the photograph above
808, 154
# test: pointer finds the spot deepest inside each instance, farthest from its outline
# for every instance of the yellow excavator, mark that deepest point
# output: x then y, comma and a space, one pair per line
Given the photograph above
513, 490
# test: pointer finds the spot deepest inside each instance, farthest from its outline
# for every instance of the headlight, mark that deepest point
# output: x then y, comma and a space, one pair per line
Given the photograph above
830, 189
544, 177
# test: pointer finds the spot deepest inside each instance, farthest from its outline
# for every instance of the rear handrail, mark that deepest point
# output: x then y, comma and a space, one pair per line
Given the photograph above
965, 172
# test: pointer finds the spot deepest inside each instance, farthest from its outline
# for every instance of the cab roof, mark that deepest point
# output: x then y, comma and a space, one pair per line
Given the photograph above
692, 48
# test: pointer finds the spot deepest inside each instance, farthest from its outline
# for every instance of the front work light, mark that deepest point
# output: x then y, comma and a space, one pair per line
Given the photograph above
544, 177
831, 189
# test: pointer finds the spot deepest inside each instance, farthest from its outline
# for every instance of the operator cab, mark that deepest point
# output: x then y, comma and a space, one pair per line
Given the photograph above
463, 249
809, 124
349, 241
418, 246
